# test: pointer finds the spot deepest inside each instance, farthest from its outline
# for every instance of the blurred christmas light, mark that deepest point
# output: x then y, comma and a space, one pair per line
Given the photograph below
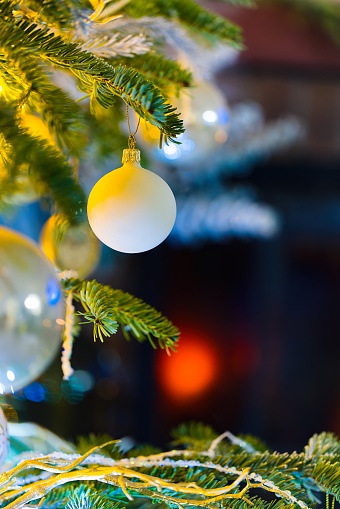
190, 372
206, 118
50, 391
72, 391
84, 379
35, 392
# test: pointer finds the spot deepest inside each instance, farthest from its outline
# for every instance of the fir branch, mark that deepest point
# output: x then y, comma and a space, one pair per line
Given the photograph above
166, 32
255, 443
86, 497
62, 115
97, 77
117, 46
30, 85
127, 479
176, 478
162, 32
268, 469
61, 15
99, 310
143, 450
204, 23
84, 443
193, 435
197, 487
138, 93
106, 308
48, 168
326, 474
161, 71
322, 444
12, 85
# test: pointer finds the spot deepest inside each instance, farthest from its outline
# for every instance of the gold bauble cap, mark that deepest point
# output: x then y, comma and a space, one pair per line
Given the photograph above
131, 155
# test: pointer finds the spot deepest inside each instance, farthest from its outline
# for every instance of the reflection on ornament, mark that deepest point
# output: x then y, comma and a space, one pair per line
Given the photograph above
77, 249
31, 312
131, 209
205, 115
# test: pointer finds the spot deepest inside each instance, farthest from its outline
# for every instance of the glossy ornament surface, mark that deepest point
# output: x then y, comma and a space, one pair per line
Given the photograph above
31, 311
131, 209
77, 249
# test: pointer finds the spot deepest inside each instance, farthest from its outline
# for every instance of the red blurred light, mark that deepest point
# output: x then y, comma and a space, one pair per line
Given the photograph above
190, 371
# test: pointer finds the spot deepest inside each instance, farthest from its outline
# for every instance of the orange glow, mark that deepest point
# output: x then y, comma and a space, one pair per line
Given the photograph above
190, 371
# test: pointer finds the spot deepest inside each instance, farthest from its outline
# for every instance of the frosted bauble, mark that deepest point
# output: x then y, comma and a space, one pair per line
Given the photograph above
131, 209
206, 117
77, 249
31, 311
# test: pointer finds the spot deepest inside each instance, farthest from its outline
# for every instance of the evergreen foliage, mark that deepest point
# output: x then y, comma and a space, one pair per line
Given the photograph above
38, 39
200, 21
161, 71
50, 56
48, 168
210, 471
107, 308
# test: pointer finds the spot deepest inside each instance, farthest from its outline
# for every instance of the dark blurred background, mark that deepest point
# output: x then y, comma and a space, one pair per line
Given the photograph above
259, 316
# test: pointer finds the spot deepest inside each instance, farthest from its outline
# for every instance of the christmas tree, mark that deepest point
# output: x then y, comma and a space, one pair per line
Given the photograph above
72, 74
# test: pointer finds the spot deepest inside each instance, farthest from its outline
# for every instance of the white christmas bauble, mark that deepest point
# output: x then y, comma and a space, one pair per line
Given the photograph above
31, 311
77, 249
131, 209
206, 118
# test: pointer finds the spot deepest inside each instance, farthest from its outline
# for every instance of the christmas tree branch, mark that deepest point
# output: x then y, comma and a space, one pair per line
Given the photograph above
47, 167
107, 308
203, 23
182, 478
161, 71
37, 93
96, 76
61, 15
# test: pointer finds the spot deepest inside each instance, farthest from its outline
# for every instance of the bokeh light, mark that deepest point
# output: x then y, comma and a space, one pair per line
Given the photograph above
191, 371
